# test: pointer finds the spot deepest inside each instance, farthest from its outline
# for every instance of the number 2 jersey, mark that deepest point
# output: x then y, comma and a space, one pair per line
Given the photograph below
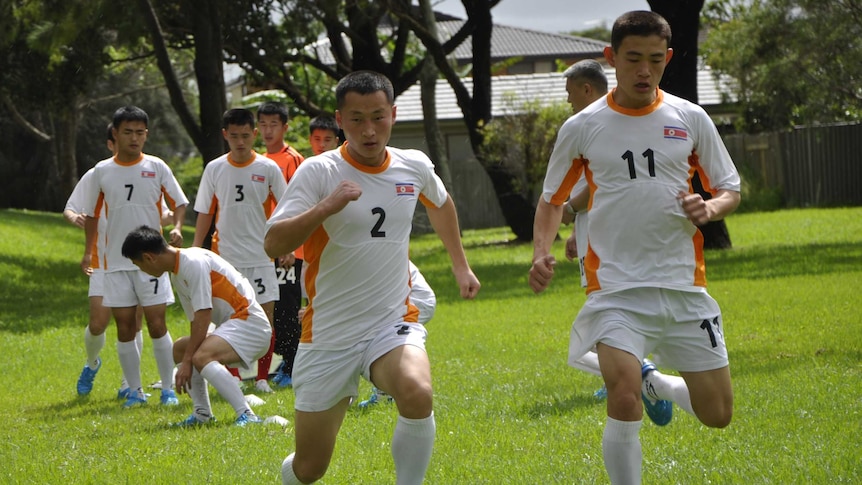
358, 275
131, 195
636, 162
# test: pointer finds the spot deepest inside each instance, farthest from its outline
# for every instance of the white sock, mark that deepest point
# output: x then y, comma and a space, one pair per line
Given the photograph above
621, 449
139, 341
588, 362
93, 344
412, 443
200, 395
163, 349
672, 388
217, 375
287, 475
130, 362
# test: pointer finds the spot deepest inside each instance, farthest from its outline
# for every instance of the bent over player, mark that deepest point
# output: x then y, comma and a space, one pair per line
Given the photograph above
353, 210
210, 290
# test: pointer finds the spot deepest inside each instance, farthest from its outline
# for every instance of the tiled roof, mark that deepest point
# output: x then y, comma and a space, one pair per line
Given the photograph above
547, 88
507, 42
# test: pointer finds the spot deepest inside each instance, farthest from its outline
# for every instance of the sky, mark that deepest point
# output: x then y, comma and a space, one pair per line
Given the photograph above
554, 16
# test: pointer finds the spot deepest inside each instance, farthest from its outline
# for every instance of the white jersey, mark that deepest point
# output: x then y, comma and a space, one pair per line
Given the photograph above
581, 227
421, 295
76, 204
131, 195
358, 275
204, 280
242, 196
636, 162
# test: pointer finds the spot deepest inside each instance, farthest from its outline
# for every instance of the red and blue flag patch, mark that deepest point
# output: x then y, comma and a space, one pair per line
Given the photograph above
675, 133
404, 189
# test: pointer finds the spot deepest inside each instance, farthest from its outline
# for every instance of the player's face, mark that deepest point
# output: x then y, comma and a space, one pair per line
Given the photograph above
322, 141
581, 94
240, 139
129, 139
272, 130
640, 62
366, 120
147, 264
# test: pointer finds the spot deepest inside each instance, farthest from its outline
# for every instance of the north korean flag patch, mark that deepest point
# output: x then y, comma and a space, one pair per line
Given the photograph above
404, 189
675, 133
147, 174
258, 178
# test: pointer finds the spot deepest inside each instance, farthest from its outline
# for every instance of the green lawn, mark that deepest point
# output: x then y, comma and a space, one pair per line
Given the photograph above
508, 408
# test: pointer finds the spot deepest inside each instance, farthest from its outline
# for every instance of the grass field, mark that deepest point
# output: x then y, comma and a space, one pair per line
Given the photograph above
508, 409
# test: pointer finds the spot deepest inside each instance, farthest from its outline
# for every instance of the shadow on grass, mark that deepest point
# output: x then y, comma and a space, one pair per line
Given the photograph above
560, 406
50, 293
783, 261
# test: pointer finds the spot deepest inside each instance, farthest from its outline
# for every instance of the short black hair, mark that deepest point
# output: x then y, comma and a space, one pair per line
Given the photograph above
110, 133
142, 240
363, 82
323, 122
129, 113
237, 117
642, 23
273, 108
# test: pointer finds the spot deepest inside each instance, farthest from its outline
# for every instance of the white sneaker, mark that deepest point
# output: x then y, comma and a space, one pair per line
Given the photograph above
262, 386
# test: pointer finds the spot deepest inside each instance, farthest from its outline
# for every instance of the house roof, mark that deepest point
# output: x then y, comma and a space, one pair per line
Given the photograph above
508, 92
507, 42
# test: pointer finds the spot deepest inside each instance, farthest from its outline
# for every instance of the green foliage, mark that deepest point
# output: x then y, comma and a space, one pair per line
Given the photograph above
508, 408
800, 63
599, 32
757, 196
523, 139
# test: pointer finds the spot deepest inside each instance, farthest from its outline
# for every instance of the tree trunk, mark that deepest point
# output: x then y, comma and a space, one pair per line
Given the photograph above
680, 78
428, 85
210, 78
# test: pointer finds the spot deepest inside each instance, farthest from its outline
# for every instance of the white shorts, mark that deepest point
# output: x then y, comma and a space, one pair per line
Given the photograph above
322, 378
134, 287
97, 283
264, 281
682, 329
249, 338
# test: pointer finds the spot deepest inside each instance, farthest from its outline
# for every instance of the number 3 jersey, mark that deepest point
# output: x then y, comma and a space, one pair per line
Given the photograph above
131, 196
241, 196
636, 162
358, 274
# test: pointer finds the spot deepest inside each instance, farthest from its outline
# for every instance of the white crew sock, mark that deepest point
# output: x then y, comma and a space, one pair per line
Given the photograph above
588, 362
226, 385
200, 395
412, 443
130, 362
621, 450
163, 349
93, 345
672, 388
288, 477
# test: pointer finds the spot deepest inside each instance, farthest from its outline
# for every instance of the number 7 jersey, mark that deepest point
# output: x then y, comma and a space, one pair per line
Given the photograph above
636, 162
358, 276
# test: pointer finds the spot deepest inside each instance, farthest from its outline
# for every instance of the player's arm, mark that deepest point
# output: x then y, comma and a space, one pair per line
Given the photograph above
700, 211
285, 235
176, 233
444, 220
575, 204
545, 227
91, 229
75, 218
202, 227
199, 326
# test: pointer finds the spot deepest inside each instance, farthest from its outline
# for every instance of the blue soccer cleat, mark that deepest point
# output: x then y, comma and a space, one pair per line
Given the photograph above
660, 411
247, 418
376, 396
193, 421
601, 394
169, 398
85, 381
281, 378
135, 399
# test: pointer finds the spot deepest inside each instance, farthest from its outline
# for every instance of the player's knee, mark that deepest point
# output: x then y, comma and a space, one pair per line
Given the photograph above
180, 349
718, 419
415, 399
309, 472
